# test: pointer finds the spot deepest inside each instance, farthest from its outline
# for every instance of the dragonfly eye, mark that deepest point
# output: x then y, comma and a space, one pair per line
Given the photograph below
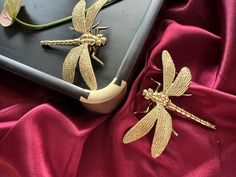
145, 92
150, 90
99, 42
104, 40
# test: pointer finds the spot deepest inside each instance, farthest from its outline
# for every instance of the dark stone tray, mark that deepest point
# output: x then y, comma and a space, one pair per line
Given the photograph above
130, 22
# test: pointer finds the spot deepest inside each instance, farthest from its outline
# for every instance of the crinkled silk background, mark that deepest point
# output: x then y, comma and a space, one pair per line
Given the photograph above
43, 135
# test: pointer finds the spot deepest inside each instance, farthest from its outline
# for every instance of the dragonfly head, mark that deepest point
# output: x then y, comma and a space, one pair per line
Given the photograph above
148, 93
101, 40
158, 97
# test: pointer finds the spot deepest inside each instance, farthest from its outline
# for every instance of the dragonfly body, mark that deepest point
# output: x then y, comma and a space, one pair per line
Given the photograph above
158, 116
156, 97
162, 99
92, 41
86, 45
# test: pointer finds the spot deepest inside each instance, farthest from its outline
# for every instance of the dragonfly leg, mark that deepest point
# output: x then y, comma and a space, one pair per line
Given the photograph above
71, 28
187, 94
146, 111
175, 133
98, 29
96, 58
158, 84
98, 23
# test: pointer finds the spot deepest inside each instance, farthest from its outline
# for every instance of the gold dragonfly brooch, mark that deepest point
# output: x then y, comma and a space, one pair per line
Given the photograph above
87, 43
171, 87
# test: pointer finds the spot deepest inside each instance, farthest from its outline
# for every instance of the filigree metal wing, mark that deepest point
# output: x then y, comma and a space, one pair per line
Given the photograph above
162, 132
142, 127
92, 12
181, 83
168, 70
78, 17
70, 63
86, 69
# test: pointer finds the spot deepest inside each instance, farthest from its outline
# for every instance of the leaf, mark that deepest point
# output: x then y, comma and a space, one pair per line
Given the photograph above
12, 7
5, 19
10, 11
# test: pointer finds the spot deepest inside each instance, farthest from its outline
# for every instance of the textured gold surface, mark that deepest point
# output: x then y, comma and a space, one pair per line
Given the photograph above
92, 13
142, 127
86, 69
70, 63
61, 42
158, 114
162, 132
181, 83
169, 69
78, 17
171, 106
82, 20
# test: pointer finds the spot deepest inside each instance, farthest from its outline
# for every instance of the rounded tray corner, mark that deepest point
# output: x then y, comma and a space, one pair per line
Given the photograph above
106, 99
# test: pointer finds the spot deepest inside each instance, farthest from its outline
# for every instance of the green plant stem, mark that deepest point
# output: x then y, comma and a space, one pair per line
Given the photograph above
57, 22
42, 26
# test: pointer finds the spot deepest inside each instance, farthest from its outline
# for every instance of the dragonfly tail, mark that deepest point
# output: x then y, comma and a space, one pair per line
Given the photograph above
188, 115
69, 42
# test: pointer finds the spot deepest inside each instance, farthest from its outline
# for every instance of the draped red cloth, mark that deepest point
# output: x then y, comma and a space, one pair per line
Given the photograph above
42, 134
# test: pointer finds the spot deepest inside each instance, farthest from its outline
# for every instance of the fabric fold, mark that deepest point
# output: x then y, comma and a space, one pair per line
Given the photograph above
45, 134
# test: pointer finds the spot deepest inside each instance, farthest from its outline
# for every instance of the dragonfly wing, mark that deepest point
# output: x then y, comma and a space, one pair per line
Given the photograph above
168, 70
92, 12
86, 69
142, 127
70, 63
181, 83
162, 132
78, 17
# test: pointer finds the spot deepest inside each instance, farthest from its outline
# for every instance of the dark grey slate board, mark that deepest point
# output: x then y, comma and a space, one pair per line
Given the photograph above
130, 22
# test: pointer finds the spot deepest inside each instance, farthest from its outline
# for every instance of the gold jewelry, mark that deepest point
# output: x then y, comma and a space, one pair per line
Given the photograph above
159, 115
82, 20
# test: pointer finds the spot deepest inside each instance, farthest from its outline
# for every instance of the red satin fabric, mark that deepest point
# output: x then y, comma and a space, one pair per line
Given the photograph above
42, 134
